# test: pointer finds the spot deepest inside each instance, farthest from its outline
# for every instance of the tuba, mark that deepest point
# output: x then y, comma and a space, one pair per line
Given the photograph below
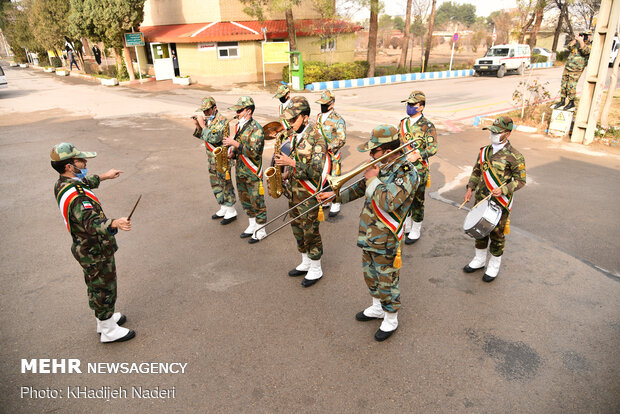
222, 164
274, 173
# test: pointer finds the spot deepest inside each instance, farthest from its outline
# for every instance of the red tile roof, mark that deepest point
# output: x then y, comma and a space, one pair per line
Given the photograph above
246, 30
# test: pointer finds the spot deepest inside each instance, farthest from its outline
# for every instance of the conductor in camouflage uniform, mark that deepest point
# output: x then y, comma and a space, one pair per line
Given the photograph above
576, 62
334, 130
499, 171
306, 172
247, 142
211, 130
93, 234
418, 130
388, 197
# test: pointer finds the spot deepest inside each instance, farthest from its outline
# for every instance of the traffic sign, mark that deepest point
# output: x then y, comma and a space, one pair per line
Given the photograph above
134, 39
455, 37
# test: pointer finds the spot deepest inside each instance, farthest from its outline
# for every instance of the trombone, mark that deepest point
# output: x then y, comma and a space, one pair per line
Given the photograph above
335, 185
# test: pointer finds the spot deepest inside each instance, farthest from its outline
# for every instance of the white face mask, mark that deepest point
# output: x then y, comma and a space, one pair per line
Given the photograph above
495, 138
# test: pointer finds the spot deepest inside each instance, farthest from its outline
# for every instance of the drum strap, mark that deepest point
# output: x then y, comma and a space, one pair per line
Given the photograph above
491, 178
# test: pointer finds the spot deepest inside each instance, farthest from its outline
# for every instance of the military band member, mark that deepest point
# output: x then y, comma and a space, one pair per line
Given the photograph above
387, 196
93, 235
422, 134
307, 172
500, 171
334, 130
576, 62
284, 96
211, 130
247, 142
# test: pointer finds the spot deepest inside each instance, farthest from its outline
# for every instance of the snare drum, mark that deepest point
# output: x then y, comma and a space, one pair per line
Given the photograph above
481, 220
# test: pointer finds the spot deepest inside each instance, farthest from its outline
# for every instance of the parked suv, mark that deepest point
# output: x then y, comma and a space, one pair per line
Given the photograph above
3, 82
502, 58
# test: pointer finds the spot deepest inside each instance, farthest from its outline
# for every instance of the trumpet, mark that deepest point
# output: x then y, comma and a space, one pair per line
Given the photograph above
222, 164
335, 185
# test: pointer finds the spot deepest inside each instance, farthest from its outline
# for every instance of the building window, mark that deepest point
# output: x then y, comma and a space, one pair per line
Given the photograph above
328, 44
228, 50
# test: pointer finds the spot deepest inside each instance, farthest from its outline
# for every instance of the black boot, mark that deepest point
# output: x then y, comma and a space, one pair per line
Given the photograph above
559, 104
570, 106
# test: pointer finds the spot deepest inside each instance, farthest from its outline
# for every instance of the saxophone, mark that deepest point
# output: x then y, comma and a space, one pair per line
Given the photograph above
274, 174
222, 164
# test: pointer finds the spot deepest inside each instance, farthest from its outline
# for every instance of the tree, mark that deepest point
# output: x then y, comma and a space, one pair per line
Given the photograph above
399, 23
372, 37
429, 41
405, 44
586, 9
538, 14
526, 17
256, 8
462, 13
17, 29
49, 22
503, 23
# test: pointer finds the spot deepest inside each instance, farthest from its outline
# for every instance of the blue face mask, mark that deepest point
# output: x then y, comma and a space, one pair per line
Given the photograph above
211, 117
82, 173
412, 110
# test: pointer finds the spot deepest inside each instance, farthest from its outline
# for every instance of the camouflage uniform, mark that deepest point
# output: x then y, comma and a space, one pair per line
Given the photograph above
392, 193
212, 134
575, 63
250, 177
281, 92
334, 130
94, 243
509, 165
309, 150
424, 137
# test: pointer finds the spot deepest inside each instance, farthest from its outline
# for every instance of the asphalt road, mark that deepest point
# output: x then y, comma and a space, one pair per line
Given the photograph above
541, 338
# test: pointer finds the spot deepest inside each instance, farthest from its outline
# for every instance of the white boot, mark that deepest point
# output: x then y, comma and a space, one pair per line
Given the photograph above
118, 317
250, 229
408, 224
111, 332
220, 213
375, 310
258, 235
314, 273
478, 262
230, 215
334, 209
303, 267
388, 326
492, 268
414, 234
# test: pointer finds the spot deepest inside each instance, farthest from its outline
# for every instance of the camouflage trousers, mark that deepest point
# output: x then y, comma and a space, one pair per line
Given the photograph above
417, 207
252, 201
568, 89
100, 278
497, 237
382, 279
306, 228
222, 188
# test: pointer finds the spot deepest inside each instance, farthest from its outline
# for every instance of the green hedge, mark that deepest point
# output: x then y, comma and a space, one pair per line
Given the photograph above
561, 56
56, 62
322, 72
538, 58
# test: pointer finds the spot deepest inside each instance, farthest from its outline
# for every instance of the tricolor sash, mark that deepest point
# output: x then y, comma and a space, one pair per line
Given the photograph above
284, 122
491, 178
312, 185
67, 195
256, 169
391, 220
319, 125
405, 132
210, 147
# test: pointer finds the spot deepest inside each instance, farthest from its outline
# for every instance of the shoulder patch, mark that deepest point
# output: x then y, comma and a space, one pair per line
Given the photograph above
87, 205
522, 166
318, 149
399, 181
431, 139
79, 189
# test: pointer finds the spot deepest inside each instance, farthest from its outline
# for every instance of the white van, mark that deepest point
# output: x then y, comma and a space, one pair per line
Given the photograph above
3, 82
502, 58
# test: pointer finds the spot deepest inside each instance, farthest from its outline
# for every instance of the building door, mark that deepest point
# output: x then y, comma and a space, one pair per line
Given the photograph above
162, 61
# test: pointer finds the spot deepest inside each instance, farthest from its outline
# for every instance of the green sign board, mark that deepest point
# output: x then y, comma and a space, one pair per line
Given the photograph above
134, 39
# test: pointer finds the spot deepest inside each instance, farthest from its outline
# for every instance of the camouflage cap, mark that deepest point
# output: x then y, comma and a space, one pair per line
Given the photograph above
65, 151
326, 97
242, 102
502, 123
380, 135
207, 102
282, 91
415, 97
587, 32
297, 105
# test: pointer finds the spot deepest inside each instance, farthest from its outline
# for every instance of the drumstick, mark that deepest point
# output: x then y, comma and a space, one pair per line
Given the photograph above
487, 197
461, 206
134, 207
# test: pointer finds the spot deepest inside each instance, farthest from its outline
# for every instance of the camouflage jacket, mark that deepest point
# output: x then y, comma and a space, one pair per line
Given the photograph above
578, 57
250, 151
213, 133
423, 135
392, 192
334, 130
90, 229
284, 122
509, 165
309, 150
